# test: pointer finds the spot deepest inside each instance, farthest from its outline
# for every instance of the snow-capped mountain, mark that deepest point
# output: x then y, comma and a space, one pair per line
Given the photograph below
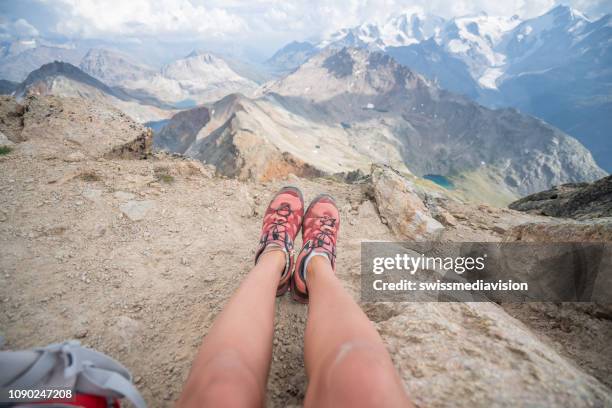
559, 70
399, 30
555, 66
472, 39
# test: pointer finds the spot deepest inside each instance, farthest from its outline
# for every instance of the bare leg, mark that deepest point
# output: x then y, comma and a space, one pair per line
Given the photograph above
346, 361
231, 368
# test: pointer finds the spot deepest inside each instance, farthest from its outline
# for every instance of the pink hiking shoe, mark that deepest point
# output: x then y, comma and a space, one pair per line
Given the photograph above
281, 223
319, 234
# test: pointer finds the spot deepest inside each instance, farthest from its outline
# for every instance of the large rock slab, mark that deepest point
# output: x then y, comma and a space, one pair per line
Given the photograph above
474, 354
400, 206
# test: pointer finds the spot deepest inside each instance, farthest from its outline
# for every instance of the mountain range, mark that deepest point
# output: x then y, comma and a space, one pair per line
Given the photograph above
198, 77
555, 66
64, 79
475, 101
344, 109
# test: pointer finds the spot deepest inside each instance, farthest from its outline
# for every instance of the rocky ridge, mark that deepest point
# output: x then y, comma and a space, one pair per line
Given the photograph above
574, 200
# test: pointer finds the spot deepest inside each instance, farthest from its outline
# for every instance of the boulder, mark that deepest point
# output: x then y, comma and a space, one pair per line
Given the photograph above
72, 129
474, 354
399, 205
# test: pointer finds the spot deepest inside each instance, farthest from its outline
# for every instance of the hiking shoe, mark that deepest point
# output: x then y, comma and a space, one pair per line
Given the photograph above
319, 234
281, 223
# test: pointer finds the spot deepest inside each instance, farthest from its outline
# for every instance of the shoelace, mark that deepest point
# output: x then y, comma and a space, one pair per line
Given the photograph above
325, 235
279, 224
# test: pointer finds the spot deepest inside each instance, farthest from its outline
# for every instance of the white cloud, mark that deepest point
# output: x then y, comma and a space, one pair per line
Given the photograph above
259, 25
91, 18
18, 29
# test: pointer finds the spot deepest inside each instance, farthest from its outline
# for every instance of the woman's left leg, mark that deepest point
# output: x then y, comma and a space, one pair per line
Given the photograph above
231, 368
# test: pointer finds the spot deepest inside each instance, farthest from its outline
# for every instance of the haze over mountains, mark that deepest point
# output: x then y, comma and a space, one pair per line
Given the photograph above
404, 92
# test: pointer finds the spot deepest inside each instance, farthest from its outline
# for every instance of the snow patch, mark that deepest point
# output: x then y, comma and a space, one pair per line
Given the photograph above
458, 46
489, 78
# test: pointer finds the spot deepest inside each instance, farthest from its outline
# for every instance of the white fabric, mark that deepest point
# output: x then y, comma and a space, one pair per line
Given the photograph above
309, 257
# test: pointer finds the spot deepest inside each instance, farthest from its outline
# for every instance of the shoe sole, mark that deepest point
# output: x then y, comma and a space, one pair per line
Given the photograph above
281, 290
295, 293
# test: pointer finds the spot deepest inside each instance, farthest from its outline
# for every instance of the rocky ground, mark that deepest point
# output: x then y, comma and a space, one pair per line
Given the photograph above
136, 257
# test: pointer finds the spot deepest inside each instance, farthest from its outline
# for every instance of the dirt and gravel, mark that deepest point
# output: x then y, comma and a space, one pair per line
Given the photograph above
135, 258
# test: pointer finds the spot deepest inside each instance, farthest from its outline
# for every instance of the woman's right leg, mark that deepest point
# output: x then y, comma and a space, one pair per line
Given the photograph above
346, 361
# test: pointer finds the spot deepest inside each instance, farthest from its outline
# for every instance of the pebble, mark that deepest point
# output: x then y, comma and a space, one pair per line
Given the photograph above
81, 334
123, 195
137, 210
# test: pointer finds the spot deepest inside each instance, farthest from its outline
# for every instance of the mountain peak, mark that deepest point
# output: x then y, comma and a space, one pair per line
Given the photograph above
567, 12
347, 71
113, 67
55, 69
202, 55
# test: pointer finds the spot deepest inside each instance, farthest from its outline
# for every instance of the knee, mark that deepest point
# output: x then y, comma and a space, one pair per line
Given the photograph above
227, 392
361, 374
359, 379
225, 381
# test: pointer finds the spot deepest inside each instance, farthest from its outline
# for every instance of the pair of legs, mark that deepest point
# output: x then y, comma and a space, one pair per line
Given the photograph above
346, 362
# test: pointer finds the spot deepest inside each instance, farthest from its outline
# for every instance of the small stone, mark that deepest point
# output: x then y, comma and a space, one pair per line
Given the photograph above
4, 141
499, 230
75, 157
99, 231
123, 195
92, 194
446, 218
137, 210
81, 334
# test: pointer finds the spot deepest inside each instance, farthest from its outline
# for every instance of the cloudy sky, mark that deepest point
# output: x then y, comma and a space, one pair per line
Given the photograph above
250, 27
